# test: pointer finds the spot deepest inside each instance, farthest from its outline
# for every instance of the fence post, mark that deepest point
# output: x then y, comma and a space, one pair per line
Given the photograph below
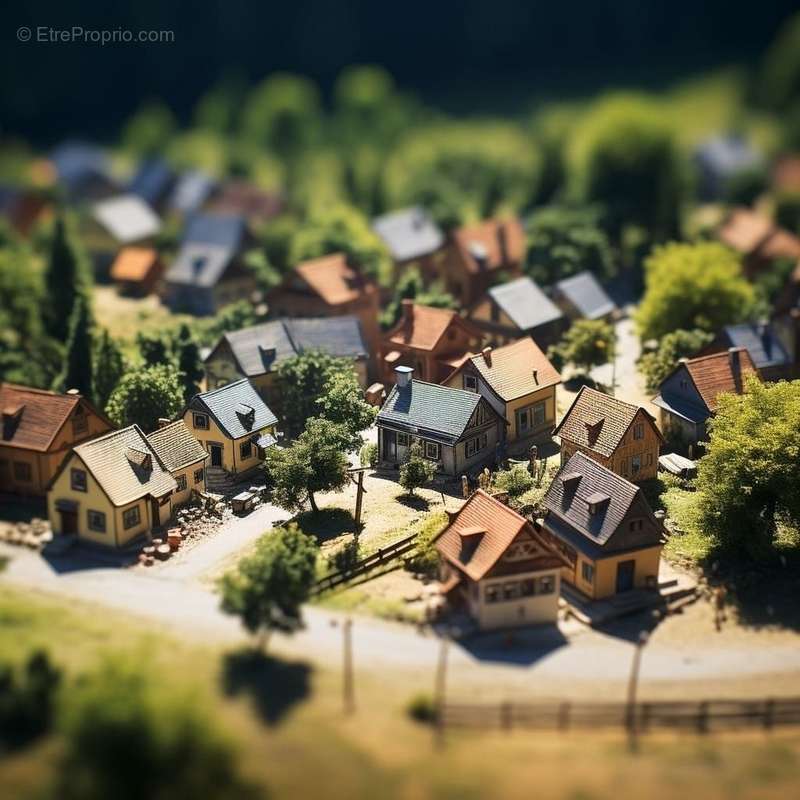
563, 716
769, 714
702, 717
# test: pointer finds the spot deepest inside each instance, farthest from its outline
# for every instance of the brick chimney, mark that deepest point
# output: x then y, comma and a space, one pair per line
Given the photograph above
735, 359
403, 376
163, 422
536, 376
407, 310
502, 242
487, 355
73, 392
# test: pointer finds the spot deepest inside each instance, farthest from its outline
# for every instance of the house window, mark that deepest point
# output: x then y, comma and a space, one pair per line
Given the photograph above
587, 572
22, 471
523, 419
181, 481
131, 518
539, 414
471, 447
80, 422
636, 525
432, 451
246, 449
638, 430
649, 459
96, 521
547, 585
198, 476
470, 383
77, 479
492, 594
510, 591
528, 587
402, 439
200, 421
636, 464
480, 415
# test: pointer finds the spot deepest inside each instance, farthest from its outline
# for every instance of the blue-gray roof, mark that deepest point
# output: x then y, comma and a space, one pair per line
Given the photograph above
525, 303
587, 295
74, 160
152, 180
409, 233
220, 230
727, 154
191, 190
227, 405
199, 265
765, 348
437, 412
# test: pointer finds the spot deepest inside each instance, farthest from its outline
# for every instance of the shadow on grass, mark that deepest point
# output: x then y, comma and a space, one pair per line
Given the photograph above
21, 509
274, 686
414, 501
574, 383
327, 523
521, 646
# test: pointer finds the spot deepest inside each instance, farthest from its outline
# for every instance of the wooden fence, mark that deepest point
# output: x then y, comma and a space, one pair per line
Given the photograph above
380, 558
701, 716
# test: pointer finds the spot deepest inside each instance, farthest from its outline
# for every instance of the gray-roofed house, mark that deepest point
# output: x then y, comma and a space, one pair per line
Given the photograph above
190, 192
83, 170
518, 308
605, 528
582, 297
234, 425
761, 340
183, 456
208, 272
111, 490
411, 237
258, 351
459, 431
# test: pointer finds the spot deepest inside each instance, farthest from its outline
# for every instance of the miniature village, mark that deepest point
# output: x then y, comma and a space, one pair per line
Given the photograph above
491, 415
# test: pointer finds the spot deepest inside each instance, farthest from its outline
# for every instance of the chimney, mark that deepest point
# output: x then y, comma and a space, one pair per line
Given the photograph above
479, 253
502, 241
487, 355
734, 356
73, 392
163, 422
403, 376
765, 334
407, 310
536, 376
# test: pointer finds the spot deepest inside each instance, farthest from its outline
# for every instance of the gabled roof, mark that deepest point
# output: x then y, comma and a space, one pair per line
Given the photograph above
525, 303
176, 446
422, 327
490, 245
570, 501
333, 279
242, 197
409, 233
717, 373
598, 422
761, 342
747, 231
430, 409
152, 180
114, 463
75, 160
201, 265
133, 263
587, 295
227, 403
191, 190
509, 370
491, 526
226, 231
127, 218
35, 416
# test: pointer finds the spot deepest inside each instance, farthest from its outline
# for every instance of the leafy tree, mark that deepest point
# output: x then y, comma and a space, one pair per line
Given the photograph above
655, 366
233, 317
109, 367
268, 588
154, 348
691, 286
126, 738
588, 343
516, 481
416, 471
314, 462
342, 402
149, 130
77, 372
189, 363
748, 481
564, 241
779, 87
145, 395
368, 455
410, 286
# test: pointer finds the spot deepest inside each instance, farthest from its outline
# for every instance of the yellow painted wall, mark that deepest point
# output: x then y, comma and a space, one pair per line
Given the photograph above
145, 522
605, 571
548, 394
37, 463
179, 498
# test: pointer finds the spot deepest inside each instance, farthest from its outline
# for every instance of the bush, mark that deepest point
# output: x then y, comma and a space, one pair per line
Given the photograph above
345, 558
368, 456
515, 481
425, 558
421, 708
679, 344
417, 471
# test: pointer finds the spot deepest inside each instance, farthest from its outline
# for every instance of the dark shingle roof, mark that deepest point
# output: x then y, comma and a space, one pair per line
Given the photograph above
176, 446
587, 295
761, 342
525, 303
33, 417
222, 403
191, 190
152, 180
409, 233
428, 407
221, 230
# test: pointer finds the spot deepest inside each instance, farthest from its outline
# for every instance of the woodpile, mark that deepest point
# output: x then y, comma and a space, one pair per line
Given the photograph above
34, 534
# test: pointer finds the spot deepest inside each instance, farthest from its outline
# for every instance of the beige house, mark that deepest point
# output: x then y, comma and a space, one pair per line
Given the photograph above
111, 490
519, 382
183, 456
234, 426
498, 566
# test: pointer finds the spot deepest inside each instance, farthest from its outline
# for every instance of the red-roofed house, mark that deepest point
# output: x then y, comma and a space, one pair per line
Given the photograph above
759, 240
495, 563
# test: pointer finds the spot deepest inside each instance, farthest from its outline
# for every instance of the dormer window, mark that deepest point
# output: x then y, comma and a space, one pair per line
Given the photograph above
638, 430
597, 502
139, 459
200, 421
77, 479
470, 383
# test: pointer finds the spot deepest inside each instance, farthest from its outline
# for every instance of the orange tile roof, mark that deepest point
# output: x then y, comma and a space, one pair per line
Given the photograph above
133, 263
487, 236
39, 416
714, 374
747, 231
422, 327
786, 174
333, 279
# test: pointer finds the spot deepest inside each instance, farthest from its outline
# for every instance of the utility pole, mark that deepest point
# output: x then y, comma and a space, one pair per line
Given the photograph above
439, 691
348, 694
360, 490
633, 681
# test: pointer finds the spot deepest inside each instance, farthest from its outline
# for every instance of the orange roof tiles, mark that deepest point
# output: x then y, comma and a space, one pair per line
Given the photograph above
715, 374
502, 242
134, 263
38, 416
747, 231
333, 279
422, 327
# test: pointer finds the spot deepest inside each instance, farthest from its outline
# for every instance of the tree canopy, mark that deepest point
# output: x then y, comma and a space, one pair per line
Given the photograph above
342, 402
77, 372
144, 396
416, 470
588, 343
656, 365
108, 368
410, 286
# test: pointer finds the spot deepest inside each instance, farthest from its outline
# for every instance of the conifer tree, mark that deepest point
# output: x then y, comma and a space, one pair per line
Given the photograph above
77, 371
189, 364
65, 278
108, 368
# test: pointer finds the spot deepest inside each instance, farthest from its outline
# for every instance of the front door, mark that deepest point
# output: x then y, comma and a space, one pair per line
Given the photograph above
216, 455
625, 573
69, 522
389, 445
156, 515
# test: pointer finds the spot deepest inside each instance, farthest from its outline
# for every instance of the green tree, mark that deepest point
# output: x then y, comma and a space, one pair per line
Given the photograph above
342, 402
189, 363
77, 372
314, 462
154, 348
779, 87
787, 211
108, 368
416, 471
65, 277
748, 481
127, 738
656, 365
564, 241
588, 343
268, 588
144, 396
516, 481
691, 286
149, 130
410, 286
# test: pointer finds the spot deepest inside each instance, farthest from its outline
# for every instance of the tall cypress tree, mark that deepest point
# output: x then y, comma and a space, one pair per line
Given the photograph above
77, 372
189, 362
65, 278
108, 368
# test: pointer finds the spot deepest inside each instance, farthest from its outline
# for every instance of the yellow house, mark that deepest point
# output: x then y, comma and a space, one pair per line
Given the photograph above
234, 426
183, 456
604, 526
111, 490
519, 382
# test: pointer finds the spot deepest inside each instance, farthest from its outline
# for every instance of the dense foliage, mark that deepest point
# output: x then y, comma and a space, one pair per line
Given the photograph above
410, 286
342, 402
143, 396
416, 471
588, 343
657, 364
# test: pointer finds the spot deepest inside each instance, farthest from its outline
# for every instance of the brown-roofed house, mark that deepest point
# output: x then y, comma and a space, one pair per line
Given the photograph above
605, 528
477, 256
257, 205
519, 382
137, 270
432, 341
330, 287
618, 435
688, 396
759, 240
38, 430
499, 566
183, 456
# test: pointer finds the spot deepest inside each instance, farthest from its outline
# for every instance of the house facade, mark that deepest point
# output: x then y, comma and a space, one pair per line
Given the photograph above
459, 431
604, 528
39, 428
184, 458
498, 566
519, 382
618, 435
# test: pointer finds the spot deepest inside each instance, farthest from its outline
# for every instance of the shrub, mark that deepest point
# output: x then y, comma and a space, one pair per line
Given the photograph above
417, 471
421, 708
369, 455
424, 560
515, 481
